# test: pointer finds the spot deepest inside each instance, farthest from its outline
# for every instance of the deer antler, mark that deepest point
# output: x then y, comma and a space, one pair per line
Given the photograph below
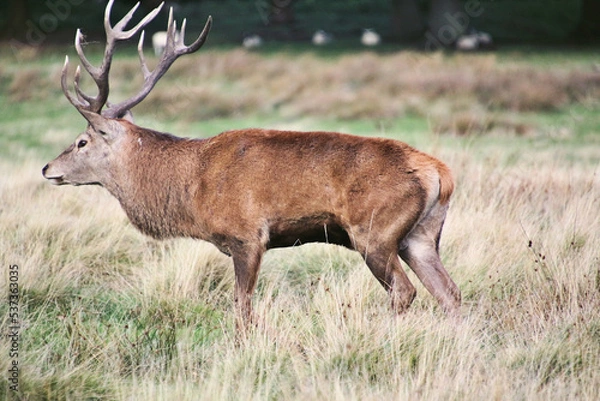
175, 48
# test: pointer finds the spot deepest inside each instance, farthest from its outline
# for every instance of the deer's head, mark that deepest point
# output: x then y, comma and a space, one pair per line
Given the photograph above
90, 158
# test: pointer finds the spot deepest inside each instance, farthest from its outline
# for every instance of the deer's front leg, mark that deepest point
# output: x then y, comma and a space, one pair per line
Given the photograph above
246, 263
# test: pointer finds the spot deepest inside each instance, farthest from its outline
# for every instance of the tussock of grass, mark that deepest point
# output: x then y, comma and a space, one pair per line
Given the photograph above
473, 123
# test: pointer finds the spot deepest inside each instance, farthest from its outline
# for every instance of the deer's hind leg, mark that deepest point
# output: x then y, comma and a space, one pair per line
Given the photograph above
420, 250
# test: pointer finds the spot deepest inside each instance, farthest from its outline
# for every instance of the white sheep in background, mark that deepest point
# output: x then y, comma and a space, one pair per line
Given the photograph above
467, 43
321, 38
485, 39
474, 40
252, 42
159, 41
370, 38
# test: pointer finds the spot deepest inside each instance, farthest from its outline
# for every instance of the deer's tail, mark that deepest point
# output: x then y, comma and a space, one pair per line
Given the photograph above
446, 183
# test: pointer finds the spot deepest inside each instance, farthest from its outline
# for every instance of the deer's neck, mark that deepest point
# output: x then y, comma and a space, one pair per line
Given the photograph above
156, 184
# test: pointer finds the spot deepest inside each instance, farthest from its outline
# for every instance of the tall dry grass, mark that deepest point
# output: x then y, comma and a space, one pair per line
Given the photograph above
110, 314
364, 85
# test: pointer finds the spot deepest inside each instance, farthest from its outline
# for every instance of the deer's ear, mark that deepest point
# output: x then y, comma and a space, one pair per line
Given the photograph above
128, 115
106, 127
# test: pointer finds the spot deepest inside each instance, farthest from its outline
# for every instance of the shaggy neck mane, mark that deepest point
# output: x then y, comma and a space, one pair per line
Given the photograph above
155, 184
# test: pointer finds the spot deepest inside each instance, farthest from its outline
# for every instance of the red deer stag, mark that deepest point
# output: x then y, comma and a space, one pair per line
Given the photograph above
246, 191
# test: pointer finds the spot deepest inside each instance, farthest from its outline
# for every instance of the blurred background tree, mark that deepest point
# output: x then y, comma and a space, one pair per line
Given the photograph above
517, 21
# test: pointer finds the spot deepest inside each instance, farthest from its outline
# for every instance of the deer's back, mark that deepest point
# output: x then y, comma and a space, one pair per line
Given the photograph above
293, 183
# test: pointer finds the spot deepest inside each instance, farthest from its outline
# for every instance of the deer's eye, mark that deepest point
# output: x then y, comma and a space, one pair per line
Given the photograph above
81, 143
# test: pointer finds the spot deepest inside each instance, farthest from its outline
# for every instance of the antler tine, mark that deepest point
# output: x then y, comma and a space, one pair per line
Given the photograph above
171, 33
182, 34
117, 32
121, 24
63, 83
174, 48
80, 94
98, 74
143, 64
86, 64
198, 42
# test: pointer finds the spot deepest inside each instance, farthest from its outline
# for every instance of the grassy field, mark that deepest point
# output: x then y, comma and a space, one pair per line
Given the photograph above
106, 313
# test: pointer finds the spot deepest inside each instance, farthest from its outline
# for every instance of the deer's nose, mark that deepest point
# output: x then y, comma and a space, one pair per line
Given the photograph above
44, 170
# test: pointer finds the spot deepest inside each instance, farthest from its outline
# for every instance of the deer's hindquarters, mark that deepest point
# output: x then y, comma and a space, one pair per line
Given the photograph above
379, 197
